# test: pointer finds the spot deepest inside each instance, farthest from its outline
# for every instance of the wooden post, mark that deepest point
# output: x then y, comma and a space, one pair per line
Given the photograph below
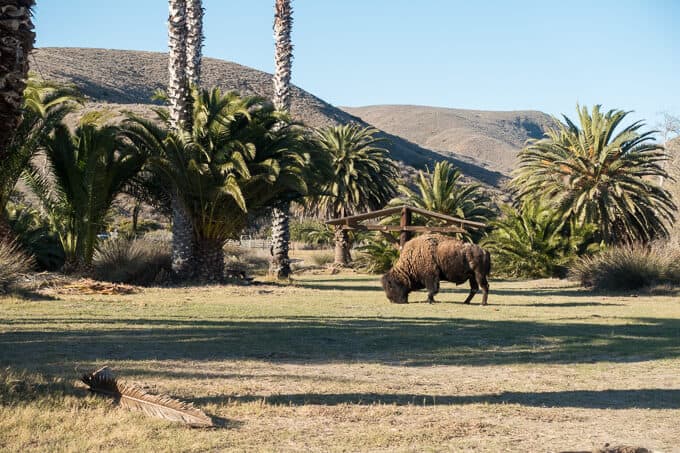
404, 236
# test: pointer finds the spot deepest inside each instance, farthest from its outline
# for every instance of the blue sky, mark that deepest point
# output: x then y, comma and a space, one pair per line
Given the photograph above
493, 55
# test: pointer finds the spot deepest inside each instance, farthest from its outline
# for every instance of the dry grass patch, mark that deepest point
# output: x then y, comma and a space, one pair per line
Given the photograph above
327, 364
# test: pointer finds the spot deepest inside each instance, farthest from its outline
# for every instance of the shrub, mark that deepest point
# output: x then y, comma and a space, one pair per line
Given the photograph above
323, 258
138, 261
36, 237
629, 267
244, 259
13, 262
376, 255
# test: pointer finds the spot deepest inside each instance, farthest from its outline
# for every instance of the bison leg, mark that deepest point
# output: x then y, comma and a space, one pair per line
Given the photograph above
473, 290
432, 289
481, 278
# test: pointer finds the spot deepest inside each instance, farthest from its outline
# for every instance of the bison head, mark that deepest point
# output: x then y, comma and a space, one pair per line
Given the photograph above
395, 289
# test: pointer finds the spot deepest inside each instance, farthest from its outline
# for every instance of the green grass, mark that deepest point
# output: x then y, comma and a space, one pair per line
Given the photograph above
327, 363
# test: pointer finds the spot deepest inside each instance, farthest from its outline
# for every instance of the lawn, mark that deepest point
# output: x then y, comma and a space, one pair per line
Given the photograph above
327, 364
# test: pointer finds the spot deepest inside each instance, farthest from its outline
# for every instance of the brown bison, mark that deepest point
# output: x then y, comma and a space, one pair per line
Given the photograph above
429, 258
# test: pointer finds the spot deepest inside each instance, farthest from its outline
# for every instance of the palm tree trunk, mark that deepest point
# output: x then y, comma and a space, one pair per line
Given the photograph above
283, 58
180, 117
280, 265
16, 42
182, 241
194, 41
209, 261
342, 255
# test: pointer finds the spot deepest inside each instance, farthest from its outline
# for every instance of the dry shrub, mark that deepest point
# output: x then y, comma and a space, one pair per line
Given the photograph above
323, 258
138, 261
247, 260
13, 263
629, 267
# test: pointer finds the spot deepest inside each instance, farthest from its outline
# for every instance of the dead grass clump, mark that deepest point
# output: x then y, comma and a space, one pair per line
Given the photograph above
246, 260
13, 263
629, 267
137, 261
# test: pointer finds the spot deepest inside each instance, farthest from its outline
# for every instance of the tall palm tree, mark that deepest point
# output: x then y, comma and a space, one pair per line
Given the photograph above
16, 42
240, 157
86, 170
443, 191
179, 97
283, 59
596, 175
364, 177
45, 106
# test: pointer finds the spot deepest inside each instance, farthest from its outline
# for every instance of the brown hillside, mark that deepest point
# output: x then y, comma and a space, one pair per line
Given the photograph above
491, 138
125, 80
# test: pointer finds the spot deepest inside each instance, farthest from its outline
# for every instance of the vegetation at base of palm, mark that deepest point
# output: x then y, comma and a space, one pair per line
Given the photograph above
376, 255
251, 261
532, 241
442, 190
14, 262
35, 236
240, 157
45, 106
599, 176
311, 232
86, 170
629, 267
135, 261
322, 258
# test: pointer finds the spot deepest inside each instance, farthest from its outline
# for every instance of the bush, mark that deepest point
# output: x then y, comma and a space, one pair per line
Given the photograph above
312, 232
36, 237
323, 258
629, 267
138, 261
13, 262
244, 259
376, 256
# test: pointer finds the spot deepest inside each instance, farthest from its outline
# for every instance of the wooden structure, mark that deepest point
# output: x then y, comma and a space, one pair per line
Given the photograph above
405, 228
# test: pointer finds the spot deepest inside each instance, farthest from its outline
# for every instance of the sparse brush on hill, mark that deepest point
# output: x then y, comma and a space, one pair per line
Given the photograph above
137, 261
13, 262
629, 267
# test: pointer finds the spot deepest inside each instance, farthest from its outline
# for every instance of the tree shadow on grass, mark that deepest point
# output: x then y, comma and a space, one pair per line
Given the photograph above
408, 341
591, 399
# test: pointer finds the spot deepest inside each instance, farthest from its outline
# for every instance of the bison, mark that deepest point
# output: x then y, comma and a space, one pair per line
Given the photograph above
427, 259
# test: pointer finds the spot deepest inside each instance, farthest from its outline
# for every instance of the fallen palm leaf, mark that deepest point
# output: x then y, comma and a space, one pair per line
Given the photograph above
104, 382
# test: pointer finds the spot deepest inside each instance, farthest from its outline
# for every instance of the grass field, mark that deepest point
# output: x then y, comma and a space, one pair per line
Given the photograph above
327, 364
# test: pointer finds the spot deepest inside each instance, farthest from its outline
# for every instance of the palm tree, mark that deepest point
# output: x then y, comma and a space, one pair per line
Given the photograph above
594, 174
16, 42
45, 106
283, 58
185, 32
364, 177
86, 170
443, 191
240, 157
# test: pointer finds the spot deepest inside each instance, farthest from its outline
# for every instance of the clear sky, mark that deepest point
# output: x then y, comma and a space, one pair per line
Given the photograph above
493, 55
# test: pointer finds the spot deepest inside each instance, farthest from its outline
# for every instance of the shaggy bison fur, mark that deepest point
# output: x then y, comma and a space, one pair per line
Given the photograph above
429, 258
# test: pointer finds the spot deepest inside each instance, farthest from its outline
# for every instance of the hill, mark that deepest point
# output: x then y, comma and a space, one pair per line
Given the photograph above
119, 80
493, 139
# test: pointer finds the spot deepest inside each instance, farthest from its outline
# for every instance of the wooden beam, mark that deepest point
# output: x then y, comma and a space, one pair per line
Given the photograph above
399, 229
369, 215
445, 217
